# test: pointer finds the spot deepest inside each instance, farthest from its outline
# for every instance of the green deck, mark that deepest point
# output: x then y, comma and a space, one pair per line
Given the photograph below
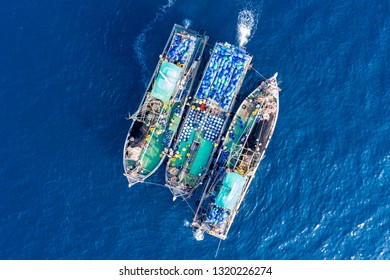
183, 149
198, 159
239, 129
202, 157
151, 156
175, 119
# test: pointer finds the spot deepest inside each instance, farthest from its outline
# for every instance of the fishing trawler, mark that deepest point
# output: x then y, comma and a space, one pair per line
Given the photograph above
206, 119
238, 159
157, 119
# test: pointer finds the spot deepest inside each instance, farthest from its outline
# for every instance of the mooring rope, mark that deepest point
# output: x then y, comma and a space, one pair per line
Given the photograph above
219, 244
258, 73
188, 205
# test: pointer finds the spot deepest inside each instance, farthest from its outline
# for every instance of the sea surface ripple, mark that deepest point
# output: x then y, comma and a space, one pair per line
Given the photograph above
70, 72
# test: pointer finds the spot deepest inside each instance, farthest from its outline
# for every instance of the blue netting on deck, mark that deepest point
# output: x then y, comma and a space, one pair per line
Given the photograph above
167, 138
223, 157
218, 216
223, 74
179, 49
212, 126
193, 120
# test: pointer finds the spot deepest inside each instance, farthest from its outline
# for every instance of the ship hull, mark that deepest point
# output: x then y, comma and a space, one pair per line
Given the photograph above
245, 145
157, 119
207, 118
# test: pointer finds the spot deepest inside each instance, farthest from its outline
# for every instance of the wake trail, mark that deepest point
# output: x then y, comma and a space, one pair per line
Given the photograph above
247, 21
187, 22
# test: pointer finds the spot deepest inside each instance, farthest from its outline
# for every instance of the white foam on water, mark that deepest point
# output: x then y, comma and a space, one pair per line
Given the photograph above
138, 48
187, 22
247, 21
141, 38
245, 26
186, 223
169, 4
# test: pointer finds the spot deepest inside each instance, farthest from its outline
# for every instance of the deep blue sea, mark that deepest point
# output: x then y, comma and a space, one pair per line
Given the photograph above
70, 71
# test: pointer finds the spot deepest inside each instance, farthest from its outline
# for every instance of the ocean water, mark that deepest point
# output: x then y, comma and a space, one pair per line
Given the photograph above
70, 71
